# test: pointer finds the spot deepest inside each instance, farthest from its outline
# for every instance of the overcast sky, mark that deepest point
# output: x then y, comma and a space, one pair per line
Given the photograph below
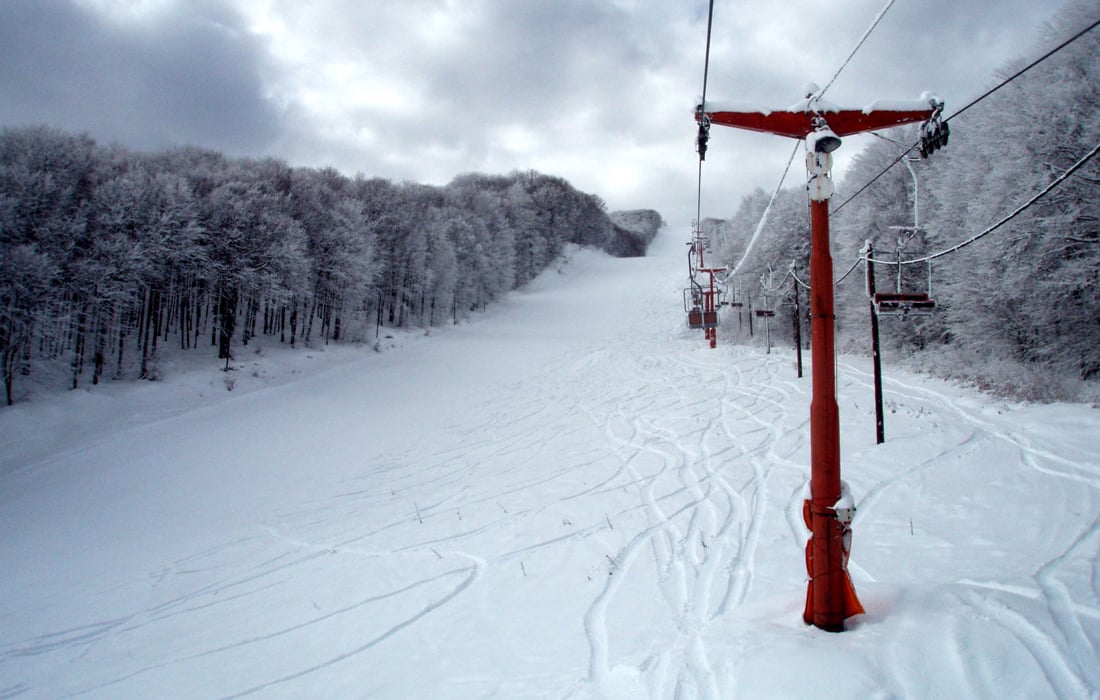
600, 92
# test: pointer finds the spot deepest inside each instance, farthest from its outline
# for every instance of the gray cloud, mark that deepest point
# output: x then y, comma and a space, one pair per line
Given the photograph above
597, 91
188, 75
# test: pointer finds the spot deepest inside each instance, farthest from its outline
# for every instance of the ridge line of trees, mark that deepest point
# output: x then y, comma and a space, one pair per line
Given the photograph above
106, 254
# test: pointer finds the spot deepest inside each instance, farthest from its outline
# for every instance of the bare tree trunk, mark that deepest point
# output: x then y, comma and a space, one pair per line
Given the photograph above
99, 355
326, 318
254, 311
246, 329
121, 351
169, 304
227, 324
148, 334
77, 364
185, 320
309, 323
336, 323
294, 324
10, 352
158, 316
143, 315
201, 301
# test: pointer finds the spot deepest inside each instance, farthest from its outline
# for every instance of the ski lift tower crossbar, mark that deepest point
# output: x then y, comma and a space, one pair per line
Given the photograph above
830, 597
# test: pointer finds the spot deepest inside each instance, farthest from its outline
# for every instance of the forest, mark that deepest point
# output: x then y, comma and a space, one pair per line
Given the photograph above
107, 255
1018, 310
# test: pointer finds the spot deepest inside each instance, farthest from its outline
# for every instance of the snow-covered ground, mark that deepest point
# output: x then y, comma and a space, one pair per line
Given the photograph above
570, 496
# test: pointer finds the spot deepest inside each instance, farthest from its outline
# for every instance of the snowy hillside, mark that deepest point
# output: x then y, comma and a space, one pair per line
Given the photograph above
570, 497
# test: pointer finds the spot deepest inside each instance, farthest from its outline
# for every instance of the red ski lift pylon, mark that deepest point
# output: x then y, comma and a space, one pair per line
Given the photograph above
830, 596
705, 295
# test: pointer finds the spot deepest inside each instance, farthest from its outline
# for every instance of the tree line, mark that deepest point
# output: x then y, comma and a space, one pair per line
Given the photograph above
107, 255
1018, 311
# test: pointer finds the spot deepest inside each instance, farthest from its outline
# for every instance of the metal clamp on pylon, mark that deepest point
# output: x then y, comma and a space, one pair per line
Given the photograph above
935, 132
819, 185
703, 137
831, 597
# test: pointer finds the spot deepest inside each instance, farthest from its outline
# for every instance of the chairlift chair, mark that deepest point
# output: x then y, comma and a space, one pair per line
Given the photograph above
694, 307
736, 294
899, 303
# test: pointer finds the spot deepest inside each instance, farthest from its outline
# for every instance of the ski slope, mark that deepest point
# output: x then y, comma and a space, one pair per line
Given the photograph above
568, 497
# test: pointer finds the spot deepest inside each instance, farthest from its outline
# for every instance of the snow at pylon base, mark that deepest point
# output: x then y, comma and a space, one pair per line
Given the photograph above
570, 496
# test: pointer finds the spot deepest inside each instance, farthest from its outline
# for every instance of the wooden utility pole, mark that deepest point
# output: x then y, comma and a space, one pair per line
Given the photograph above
797, 325
830, 596
876, 354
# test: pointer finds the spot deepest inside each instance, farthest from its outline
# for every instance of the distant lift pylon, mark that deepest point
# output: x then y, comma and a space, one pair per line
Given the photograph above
703, 298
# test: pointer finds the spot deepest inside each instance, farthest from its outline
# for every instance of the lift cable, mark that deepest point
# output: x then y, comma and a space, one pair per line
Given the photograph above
1019, 210
1028, 67
764, 216
704, 126
791, 273
878, 18
973, 102
875, 178
819, 94
850, 271
706, 57
893, 141
699, 197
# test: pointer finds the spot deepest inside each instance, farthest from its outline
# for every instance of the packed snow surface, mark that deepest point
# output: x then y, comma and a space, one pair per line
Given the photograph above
571, 496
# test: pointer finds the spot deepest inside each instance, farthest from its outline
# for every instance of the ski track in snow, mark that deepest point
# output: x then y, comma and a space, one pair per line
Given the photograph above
1042, 460
1060, 645
703, 544
622, 518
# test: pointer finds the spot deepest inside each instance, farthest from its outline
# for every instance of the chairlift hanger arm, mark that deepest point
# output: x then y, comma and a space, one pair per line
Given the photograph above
799, 124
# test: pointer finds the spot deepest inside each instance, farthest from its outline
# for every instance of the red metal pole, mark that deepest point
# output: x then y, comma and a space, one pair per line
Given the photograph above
830, 597
826, 553
712, 333
710, 294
